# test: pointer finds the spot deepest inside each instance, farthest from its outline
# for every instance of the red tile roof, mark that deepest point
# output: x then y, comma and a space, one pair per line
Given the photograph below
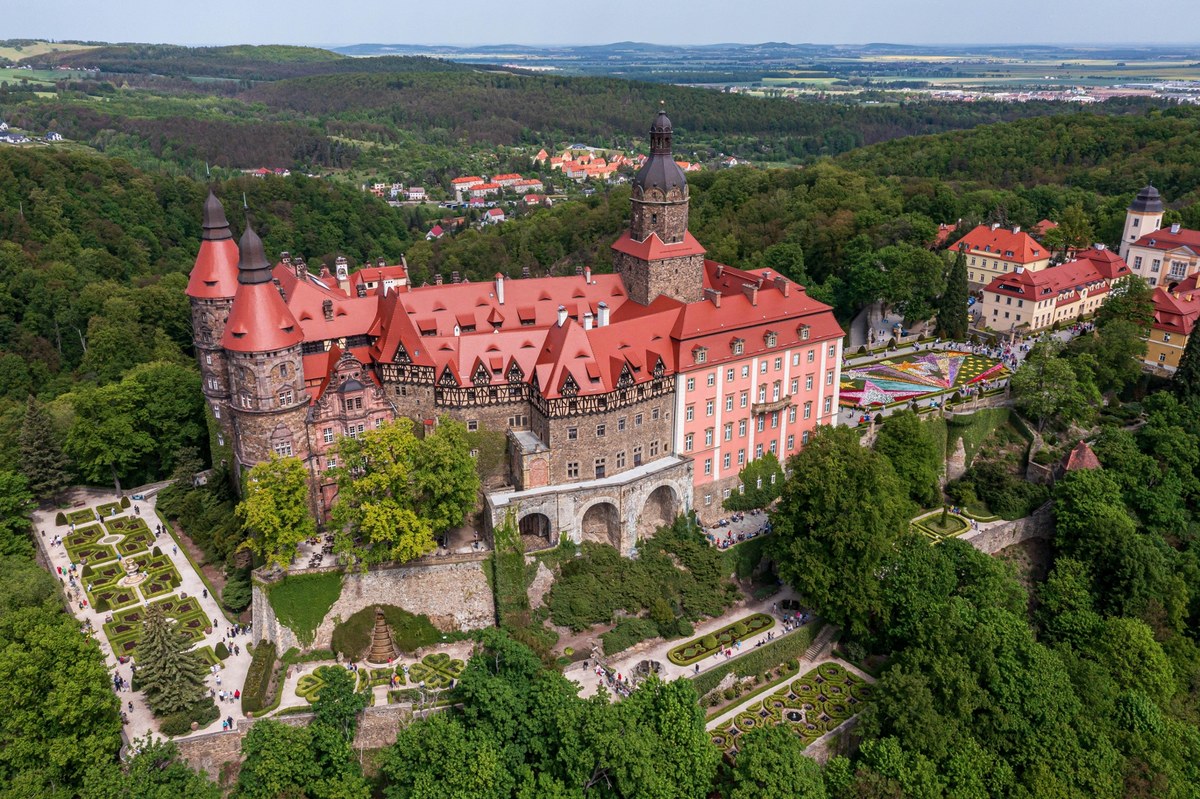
1093, 267
1081, 457
215, 274
1164, 239
1176, 311
653, 247
1004, 244
259, 321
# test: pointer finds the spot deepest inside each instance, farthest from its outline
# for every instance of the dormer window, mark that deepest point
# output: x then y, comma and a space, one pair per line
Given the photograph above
700, 354
772, 338
738, 346
804, 332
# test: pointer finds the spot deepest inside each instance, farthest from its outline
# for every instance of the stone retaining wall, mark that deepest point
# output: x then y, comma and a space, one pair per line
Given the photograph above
1039, 524
455, 595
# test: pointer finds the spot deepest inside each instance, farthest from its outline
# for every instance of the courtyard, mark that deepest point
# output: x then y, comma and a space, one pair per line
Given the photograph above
916, 376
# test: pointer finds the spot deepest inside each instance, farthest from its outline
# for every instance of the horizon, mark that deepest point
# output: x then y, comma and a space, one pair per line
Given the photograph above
541, 24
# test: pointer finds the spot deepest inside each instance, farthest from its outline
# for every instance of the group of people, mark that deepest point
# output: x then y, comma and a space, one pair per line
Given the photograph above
618, 684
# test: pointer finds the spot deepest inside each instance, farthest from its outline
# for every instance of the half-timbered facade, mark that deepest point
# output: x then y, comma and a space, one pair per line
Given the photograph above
626, 398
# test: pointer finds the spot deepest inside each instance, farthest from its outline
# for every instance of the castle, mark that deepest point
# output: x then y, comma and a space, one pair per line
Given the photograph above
626, 398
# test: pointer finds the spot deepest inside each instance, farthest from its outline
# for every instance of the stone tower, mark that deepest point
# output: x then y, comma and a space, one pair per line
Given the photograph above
211, 286
262, 341
658, 255
1144, 215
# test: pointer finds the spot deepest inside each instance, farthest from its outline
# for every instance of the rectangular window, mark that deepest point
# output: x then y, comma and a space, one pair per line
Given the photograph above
729, 402
654, 449
729, 431
328, 435
687, 442
729, 373
572, 433
708, 465
778, 364
761, 424
691, 384
745, 370
472, 425
829, 378
708, 408
804, 438
689, 413
216, 411
795, 359
808, 410
708, 437
791, 414
775, 389
832, 350
708, 499
741, 428
758, 451
762, 367
637, 420
741, 457
1155, 264
621, 459
774, 446
637, 455
379, 423
791, 443
283, 449
795, 385
812, 355
808, 382
621, 425
712, 379
774, 418
1137, 260
600, 468
828, 406
573, 469
745, 399
725, 459
208, 359
654, 414
600, 431
331, 463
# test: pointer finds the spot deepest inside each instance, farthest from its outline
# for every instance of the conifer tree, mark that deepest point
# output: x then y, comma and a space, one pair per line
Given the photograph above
171, 676
42, 460
1186, 383
952, 310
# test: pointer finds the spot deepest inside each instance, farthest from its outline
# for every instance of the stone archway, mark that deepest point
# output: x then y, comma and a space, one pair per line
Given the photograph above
536, 531
661, 508
601, 523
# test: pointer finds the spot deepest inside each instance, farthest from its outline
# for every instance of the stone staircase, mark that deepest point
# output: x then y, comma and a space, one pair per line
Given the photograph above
827, 634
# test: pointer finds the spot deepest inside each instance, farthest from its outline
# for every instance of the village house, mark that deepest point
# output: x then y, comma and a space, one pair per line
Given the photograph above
993, 251
415, 194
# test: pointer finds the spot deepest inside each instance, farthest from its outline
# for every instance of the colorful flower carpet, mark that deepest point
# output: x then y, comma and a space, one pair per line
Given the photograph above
915, 376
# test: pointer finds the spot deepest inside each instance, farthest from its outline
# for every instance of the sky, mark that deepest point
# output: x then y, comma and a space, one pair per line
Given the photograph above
472, 22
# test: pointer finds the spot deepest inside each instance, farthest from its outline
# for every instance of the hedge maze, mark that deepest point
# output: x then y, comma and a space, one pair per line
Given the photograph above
810, 706
699, 648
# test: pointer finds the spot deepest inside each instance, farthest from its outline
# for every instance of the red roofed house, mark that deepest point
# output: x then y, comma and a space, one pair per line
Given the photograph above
993, 251
1161, 256
484, 189
493, 216
1028, 300
1081, 457
1175, 313
435, 232
507, 180
626, 398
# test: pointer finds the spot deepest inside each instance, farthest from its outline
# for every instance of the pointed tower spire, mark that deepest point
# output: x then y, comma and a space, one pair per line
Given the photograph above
216, 226
253, 266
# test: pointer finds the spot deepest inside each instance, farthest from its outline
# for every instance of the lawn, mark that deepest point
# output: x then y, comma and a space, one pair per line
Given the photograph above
915, 376
301, 601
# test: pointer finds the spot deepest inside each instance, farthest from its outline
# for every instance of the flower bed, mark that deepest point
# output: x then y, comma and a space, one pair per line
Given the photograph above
699, 648
915, 376
810, 706
136, 542
81, 516
159, 583
91, 554
125, 629
109, 509
436, 671
84, 535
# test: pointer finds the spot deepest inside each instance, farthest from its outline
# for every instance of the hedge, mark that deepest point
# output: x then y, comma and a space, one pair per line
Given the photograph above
258, 678
698, 649
203, 713
758, 660
60, 519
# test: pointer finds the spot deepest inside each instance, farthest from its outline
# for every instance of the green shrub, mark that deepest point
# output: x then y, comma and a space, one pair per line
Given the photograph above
100, 605
627, 633
352, 637
238, 592
156, 551
759, 659
221, 650
709, 642
203, 713
60, 519
258, 678
125, 502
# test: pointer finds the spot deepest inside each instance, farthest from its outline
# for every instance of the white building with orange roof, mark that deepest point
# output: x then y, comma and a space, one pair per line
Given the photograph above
993, 251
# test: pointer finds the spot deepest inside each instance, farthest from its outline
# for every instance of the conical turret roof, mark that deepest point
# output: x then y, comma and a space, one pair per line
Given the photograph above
1148, 201
259, 320
216, 226
214, 275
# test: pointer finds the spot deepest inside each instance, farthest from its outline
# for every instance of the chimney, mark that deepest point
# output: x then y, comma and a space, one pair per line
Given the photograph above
279, 287
782, 285
751, 291
587, 320
578, 270
1016, 228
562, 315
995, 226
714, 296
720, 269
1019, 270
525, 272
327, 309
361, 289
1174, 227
325, 272
285, 258
342, 267
587, 275
437, 279
454, 278
381, 263
602, 315
499, 288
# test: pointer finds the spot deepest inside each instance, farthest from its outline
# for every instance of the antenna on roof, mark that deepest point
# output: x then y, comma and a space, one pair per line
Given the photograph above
207, 172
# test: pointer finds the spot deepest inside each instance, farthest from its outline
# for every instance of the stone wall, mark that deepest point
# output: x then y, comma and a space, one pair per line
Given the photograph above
453, 593
681, 277
219, 753
1040, 524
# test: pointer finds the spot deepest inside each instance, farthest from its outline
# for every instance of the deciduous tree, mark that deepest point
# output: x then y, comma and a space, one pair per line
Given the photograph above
276, 511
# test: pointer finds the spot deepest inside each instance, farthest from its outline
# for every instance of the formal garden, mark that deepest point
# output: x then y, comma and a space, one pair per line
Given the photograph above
435, 672
125, 629
938, 525
810, 706
699, 648
916, 376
